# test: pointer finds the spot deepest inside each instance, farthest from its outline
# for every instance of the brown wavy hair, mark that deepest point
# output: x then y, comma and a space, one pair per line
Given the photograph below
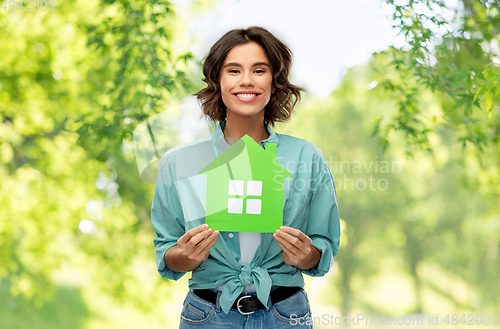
285, 95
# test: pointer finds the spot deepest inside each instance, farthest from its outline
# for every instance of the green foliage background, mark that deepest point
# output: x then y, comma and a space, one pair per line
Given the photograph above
74, 83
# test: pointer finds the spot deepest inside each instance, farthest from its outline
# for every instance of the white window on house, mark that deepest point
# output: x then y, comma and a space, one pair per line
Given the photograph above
235, 206
253, 206
237, 187
254, 187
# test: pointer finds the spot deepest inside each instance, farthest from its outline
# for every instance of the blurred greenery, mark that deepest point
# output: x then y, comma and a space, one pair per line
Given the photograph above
412, 139
67, 309
74, 83
454, 52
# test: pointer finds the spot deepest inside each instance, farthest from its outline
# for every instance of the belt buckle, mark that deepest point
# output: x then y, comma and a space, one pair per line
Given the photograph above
238, 305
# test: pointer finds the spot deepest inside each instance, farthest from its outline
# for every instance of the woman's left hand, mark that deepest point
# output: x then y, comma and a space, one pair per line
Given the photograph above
297, 249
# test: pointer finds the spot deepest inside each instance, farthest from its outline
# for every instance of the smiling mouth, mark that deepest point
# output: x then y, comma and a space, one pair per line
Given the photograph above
246, 95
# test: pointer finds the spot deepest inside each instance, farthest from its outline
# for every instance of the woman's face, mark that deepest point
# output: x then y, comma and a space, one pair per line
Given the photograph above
246, 81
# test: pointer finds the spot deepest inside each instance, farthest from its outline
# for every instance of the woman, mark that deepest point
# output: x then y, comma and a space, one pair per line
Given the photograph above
246, 280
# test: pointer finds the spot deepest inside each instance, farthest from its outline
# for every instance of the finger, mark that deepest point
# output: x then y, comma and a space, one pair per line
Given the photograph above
210, 239
192, 232
299, 250
285, 250
189, 247
200, 252
288, 256
205, 245
283, 247
287, 247
296, 232
290, 230
293, 240
198, 238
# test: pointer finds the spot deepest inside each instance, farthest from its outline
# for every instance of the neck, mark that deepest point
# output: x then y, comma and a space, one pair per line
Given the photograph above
237, 127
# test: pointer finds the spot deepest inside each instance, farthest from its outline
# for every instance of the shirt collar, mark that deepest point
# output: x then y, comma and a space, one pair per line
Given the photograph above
273, 137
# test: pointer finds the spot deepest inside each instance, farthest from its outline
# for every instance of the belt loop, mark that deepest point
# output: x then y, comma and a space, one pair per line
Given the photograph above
217, 304
269, 302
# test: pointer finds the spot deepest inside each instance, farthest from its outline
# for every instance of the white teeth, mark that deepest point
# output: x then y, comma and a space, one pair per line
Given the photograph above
246, 95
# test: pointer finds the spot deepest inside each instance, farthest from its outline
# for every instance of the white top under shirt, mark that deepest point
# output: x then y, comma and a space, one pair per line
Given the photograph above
249, 242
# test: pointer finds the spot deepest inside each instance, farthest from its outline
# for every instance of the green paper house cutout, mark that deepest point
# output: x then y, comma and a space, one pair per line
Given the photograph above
245, 186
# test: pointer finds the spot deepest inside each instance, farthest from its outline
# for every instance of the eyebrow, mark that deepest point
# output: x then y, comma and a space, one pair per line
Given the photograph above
239, 65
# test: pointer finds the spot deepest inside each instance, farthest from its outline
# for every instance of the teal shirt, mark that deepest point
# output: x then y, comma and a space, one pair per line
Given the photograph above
310, 205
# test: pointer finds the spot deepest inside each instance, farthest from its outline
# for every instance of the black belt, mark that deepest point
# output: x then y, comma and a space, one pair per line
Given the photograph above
247, 304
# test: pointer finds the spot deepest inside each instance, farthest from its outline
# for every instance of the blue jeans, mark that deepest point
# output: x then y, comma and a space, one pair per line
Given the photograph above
292, 312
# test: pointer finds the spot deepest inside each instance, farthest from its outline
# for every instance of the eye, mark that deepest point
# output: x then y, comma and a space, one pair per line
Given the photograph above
234, 71
260, 71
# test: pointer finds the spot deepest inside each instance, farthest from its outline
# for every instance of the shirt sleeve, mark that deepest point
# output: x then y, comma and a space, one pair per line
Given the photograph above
167, 219
323, 224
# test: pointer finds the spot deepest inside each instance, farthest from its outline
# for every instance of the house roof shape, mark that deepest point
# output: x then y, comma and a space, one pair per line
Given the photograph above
259, 159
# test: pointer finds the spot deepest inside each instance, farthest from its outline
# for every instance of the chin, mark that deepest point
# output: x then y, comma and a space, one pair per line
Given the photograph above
248, 115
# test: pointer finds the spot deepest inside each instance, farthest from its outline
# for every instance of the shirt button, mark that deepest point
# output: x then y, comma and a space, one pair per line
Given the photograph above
231, 235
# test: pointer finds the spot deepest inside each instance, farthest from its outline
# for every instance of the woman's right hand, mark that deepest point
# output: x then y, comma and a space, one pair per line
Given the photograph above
196, 243
192, 248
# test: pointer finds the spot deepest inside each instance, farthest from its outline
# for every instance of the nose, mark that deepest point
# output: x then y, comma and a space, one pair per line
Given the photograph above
246, 79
